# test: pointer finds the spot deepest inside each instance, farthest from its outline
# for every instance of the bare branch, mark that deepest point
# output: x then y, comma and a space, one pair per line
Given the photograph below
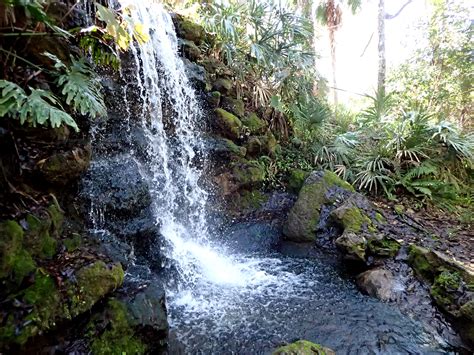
389, 17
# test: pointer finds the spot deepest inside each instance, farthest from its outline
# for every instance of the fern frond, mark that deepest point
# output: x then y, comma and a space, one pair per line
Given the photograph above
38, 109
12, 98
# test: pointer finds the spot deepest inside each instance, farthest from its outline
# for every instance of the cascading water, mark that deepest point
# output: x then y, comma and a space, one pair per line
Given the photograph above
226, 299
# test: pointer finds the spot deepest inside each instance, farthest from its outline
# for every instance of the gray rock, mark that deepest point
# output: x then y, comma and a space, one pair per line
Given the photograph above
353, 245
379, 283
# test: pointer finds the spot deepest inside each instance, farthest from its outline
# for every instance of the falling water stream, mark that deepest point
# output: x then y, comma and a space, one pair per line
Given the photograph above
223, 299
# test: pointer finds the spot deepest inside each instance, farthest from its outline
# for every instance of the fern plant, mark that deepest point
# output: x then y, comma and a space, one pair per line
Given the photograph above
80, 86
38, 108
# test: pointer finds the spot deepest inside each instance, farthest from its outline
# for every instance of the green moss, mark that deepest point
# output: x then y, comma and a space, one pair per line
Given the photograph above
119, 337
332, 179
399, 209
251, 199
57, 219
94, 282
384, 247
418, 260
467, 310
301, 347
38, 239
445, 284
235, 149
379, 218
237, 107
45, 300
228, 123
72, 243
15, 262
353, 219
190, 30
249, 174
254, 124
296, 180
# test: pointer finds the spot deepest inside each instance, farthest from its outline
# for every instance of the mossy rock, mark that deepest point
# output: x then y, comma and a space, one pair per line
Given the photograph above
320, 188
72, 243
444, 289
353, 245
222, 85
351, 217
15, 261
248, 174
93, 282
118, 335
62, 168
261, 145
303, 347
384, 246
189, 30
296, 180
235, 106
254, 124
250, 200
44, 302
228, 124
235, 149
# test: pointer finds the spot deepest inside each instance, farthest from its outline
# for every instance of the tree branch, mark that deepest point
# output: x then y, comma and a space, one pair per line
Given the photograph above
390, 17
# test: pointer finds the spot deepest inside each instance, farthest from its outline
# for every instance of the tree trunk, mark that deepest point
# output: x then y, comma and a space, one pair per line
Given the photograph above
381, 48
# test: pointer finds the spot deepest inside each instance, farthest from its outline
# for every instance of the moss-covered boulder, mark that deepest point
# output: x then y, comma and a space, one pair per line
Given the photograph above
353, 245
45, 303
296, 180
222, 85
254, 124
112, 332
229, 125
235, 106
303, 347
62, 168
451, 285
188, 30
248, 174
319, 188
15, 261
261, 145
93, 282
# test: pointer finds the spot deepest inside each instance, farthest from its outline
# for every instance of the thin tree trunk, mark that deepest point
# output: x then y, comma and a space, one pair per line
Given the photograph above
381, 48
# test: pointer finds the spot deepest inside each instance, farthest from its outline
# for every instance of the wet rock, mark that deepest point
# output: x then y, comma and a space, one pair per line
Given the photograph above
379, 283
223, 85
254, 124
235, 106
353, 245
303, 347
216, 67
118, 186
229, 125
224, 149
319, 188
196, 74
190, 50
62, 168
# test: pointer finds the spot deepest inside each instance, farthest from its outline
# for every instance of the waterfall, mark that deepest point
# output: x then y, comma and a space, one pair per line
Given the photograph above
220, 299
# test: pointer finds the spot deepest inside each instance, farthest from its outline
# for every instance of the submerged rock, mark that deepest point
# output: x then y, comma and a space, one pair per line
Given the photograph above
303, 347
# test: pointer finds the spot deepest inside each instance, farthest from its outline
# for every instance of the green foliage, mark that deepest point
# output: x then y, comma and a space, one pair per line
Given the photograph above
80, 87
38, 108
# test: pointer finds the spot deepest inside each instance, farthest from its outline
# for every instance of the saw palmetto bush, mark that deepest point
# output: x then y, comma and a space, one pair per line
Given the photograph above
392, 151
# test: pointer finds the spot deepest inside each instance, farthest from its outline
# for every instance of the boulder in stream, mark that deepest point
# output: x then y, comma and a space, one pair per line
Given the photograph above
303, 347
379, 283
